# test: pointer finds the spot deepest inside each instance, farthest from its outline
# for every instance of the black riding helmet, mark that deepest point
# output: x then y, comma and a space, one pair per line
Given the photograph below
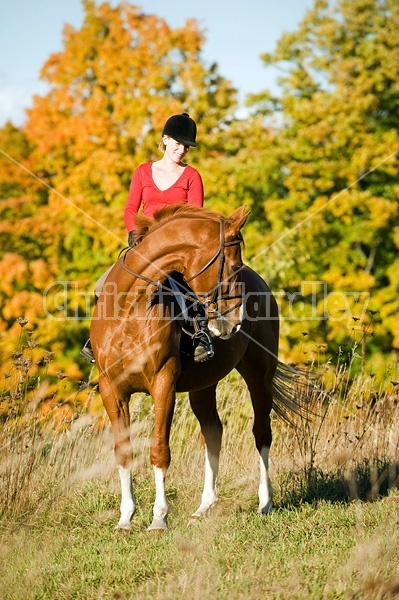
181, 128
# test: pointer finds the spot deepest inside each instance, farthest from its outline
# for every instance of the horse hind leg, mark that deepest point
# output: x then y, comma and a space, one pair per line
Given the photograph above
265, 491
261, 392
203, 404
262, 401
118, 413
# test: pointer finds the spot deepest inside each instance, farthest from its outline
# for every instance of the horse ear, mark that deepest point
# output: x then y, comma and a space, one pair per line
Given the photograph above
143, 224
238, 219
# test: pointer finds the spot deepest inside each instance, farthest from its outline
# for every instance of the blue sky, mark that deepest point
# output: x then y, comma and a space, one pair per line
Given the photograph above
237, 32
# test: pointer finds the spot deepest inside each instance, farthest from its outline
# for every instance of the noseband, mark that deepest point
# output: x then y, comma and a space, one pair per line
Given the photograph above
215, 294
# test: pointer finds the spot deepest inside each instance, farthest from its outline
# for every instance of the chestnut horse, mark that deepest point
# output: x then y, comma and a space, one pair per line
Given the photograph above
141, 346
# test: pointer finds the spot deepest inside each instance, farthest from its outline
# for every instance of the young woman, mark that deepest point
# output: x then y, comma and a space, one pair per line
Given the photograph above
158, 184
168, 180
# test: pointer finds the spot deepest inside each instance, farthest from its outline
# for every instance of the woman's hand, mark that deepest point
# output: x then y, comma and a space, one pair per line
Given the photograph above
130, 239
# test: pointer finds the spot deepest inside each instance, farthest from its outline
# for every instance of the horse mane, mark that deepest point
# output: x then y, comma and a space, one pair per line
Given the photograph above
146, 225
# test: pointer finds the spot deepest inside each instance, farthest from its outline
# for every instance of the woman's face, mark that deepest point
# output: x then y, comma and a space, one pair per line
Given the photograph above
175, 150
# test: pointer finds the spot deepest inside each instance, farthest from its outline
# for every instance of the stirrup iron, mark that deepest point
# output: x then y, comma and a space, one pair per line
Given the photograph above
204, 349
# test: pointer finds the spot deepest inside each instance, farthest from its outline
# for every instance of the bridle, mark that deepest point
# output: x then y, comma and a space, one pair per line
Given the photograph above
215, 294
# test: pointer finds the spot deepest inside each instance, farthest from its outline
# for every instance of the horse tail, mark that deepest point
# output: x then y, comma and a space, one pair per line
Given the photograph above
295, 392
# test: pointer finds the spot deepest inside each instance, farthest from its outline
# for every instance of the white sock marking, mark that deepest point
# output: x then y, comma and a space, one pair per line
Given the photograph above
128, 504
160, 504
209, 494
265, 486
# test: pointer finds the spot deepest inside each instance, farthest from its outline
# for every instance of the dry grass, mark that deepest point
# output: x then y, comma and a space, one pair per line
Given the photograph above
347, 439
334, 533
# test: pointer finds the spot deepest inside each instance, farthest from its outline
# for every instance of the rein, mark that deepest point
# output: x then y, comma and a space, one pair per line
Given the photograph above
219, 252
215, 296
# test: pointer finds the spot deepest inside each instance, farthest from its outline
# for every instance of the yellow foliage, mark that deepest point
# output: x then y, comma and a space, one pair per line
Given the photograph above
41, 274
13, 270
316, 166
355, 281
24, 304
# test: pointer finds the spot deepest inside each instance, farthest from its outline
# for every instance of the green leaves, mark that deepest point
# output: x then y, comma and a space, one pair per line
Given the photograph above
337, 146
316, 162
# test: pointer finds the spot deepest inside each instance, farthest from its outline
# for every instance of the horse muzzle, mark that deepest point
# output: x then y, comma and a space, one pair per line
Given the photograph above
225, 326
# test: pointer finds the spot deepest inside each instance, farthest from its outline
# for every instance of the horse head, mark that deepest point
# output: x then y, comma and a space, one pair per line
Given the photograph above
217, 281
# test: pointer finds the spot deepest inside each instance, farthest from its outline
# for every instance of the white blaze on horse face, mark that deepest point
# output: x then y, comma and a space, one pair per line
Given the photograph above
160, 505
128, 504
214, 330
265, 486
223, 327
209, 495
241, 317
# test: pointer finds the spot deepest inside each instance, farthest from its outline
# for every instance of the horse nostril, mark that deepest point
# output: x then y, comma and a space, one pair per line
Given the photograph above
236, 328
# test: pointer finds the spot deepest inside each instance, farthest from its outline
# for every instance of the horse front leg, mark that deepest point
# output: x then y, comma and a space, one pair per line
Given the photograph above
164, 404
203, 404
117, 407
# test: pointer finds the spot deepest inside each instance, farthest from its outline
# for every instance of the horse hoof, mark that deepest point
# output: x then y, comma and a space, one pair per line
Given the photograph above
267, 509
199, 514
202, 511
158, 524
123, 527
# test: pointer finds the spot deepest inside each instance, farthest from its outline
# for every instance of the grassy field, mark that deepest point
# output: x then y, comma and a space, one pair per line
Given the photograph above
334, 532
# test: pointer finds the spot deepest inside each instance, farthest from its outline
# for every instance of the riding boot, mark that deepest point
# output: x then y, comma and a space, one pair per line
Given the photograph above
87, 352
202, 340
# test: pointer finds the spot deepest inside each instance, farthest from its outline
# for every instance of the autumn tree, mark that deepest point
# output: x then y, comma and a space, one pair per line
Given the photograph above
316, 163
26, 268
111, 88
331, 194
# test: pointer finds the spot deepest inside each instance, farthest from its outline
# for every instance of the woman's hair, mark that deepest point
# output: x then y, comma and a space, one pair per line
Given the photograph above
161, 146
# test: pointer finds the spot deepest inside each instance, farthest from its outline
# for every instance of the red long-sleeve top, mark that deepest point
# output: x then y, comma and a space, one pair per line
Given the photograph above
188, 189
